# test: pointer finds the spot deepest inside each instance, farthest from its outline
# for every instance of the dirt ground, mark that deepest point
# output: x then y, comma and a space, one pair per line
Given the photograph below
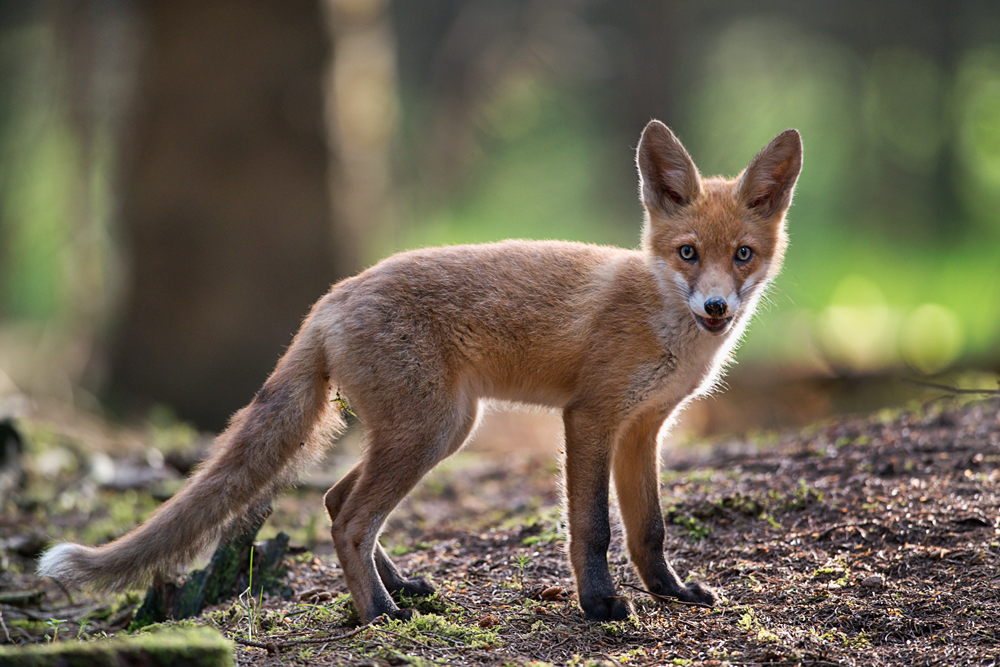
862, 541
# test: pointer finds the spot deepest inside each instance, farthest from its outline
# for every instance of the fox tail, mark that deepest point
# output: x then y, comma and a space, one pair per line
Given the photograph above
287, 425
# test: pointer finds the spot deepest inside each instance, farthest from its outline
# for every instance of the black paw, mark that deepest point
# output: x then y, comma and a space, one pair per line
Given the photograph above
397, 614
695, 592
700, 593
415, 587
611, 608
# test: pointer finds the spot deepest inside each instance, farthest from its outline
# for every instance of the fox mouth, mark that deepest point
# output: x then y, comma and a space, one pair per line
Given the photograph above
713, 325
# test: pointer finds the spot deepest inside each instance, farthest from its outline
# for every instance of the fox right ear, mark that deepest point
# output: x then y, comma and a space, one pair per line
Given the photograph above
767, 184
668, 179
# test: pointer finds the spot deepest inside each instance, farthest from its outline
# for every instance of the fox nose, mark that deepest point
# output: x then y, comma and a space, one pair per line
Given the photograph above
716, 307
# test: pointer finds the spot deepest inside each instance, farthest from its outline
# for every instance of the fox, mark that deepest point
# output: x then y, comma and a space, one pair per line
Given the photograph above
619, 340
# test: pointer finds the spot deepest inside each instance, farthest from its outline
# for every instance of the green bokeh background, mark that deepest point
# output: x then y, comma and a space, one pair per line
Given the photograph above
895, 227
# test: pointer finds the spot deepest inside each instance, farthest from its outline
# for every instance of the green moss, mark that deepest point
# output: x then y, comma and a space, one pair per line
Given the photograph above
693, 526
340, 611
167, 626
32, 626
437, 630
170, 434
426, 604
197, 647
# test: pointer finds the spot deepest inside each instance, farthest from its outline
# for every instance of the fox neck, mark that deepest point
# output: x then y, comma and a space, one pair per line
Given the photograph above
702, 355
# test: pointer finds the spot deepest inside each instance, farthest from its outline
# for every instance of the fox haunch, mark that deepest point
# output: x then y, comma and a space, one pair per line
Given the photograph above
618, 340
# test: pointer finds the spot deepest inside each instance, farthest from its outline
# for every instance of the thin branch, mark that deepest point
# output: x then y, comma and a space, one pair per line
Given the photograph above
273, 646
950, 389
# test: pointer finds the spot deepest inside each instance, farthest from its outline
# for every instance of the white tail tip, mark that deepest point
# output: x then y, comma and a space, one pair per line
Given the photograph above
57, 561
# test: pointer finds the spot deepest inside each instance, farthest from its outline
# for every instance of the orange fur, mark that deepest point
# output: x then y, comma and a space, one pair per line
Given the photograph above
617, 339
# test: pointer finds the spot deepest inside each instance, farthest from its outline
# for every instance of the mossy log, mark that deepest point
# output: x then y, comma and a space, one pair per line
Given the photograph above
226, 576
197, 647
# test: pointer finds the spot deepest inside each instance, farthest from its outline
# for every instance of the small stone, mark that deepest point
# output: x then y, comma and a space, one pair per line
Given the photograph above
551, 593
488, 621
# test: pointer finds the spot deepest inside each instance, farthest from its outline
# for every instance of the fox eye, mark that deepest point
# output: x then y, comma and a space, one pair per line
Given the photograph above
687, 253
743, 254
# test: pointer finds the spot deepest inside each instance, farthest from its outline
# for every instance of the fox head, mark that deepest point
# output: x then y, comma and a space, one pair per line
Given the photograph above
715, 242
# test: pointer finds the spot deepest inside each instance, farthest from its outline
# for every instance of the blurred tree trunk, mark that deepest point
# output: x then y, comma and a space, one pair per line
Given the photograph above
227, 215
362, 109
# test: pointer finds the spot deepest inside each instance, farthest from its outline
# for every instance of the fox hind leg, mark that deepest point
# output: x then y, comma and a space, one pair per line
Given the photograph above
393, 580
394, 461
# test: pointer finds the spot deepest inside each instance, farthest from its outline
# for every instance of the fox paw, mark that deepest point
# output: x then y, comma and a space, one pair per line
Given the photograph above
698, 592
395, 614
415, 587
612, 608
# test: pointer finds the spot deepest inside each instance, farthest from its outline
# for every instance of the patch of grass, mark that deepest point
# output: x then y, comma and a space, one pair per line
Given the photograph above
621, 628
805, 495
547, 536
397, 550
427, 604
835, 636
338, 612
700, 476
764, 635
742, 504
167, 625
521, 562
630, 655
252, 606
226, 618
435, 630
169, 434
693, 526
106, 612
55, 624
125, 510
539, 627
544, 527
834, 572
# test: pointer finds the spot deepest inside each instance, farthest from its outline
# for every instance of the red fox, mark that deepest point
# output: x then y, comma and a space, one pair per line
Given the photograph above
618, 340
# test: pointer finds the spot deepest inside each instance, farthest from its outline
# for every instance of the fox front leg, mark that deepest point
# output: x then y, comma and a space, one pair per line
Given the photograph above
637, 485
587, 481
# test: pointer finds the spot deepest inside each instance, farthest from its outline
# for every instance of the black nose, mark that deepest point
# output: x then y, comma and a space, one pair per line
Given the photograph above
716, 307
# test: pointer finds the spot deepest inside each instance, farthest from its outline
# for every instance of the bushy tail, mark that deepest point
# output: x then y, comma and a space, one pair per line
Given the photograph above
288, 424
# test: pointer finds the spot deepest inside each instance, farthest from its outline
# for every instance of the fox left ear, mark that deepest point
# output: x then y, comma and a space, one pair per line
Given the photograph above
766, 185
669, 181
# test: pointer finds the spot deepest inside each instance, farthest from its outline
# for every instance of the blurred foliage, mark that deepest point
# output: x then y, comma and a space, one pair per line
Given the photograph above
543, 178
516, 123
896, 223
37, 153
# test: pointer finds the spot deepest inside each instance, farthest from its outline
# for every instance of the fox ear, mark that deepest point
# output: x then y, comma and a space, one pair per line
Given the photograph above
668, 179
766, 185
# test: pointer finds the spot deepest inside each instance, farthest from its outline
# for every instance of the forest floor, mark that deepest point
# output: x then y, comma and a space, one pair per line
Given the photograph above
868, 540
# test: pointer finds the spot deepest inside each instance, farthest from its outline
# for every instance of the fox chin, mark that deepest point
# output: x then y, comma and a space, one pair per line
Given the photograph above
618, 340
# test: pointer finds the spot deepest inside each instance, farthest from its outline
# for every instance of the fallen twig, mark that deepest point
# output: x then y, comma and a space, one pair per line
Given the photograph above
950, 389
273, 646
